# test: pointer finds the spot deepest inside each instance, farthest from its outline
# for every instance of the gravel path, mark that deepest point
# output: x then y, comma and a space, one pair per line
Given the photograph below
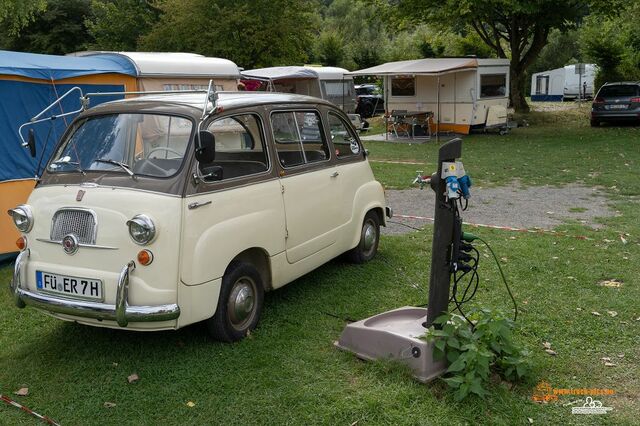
533, 207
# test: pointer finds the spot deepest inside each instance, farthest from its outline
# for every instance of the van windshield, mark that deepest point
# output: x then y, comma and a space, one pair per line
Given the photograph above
135, 144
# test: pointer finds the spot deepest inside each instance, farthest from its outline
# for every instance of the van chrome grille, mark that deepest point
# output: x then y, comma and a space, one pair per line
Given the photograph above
81, 223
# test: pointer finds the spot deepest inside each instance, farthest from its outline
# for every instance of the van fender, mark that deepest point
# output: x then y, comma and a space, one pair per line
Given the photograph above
368, 197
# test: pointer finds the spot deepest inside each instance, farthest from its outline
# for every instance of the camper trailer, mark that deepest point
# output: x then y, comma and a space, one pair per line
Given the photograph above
563, 83
461, 94
176, 71
330, 83
28, 83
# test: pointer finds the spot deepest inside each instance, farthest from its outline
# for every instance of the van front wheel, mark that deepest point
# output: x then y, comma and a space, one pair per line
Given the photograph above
239, 305
369, 238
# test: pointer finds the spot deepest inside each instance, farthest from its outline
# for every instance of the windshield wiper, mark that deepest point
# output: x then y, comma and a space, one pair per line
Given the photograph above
122, 165
73, 163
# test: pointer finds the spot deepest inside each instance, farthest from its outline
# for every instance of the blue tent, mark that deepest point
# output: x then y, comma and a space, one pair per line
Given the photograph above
30, 82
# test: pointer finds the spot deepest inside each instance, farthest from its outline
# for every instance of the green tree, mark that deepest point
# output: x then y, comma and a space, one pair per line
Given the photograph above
563, 48
58, 30
119, 24
612, 41
252, 33
15, 14
362, 26
330, 50
514, 29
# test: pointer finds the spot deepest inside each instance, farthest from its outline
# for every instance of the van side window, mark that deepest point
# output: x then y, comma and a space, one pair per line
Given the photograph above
344, 141
298, 138
240, 147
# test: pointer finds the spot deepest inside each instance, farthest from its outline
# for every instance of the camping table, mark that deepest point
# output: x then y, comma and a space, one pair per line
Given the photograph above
409, 120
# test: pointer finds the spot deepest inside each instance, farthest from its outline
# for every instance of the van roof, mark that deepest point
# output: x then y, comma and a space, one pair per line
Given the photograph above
193, 103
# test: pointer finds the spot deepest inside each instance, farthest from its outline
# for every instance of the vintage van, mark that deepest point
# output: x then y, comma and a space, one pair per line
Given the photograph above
161, 211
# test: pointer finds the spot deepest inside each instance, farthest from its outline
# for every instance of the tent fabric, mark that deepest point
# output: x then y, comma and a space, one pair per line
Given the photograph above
330, 73
281, 73
54, 67
429, 66
22, 100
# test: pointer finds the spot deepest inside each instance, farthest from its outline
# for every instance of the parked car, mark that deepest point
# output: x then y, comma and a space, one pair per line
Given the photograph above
616, 102
157, 212
369, 100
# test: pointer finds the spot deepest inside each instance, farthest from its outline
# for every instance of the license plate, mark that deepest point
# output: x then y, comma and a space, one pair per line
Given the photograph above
624, 106
64, 285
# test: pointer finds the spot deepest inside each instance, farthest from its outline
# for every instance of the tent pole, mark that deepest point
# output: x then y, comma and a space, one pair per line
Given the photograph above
438, 108
385, 90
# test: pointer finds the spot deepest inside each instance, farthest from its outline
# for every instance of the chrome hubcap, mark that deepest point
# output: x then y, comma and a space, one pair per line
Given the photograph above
241, 302
369, 236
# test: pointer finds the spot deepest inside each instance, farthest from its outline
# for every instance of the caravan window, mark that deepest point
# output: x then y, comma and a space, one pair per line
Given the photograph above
493, 85
403, 86
337, 88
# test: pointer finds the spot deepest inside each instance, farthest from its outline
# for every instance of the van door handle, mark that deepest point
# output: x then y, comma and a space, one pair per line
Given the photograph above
197, 204
335, 174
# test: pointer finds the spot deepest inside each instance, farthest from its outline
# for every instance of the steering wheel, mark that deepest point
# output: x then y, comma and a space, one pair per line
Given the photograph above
163, 148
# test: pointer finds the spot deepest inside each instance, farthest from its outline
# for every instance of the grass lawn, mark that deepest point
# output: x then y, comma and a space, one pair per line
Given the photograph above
288, 371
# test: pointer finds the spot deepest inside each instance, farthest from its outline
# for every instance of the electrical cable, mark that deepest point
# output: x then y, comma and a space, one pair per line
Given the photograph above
504, 280
473, 282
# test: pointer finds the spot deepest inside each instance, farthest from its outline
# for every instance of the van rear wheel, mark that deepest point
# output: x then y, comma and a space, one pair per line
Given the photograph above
369, 239
239, 305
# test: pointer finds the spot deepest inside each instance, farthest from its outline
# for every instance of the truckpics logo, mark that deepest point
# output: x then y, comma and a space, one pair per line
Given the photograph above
543, 392
591, 406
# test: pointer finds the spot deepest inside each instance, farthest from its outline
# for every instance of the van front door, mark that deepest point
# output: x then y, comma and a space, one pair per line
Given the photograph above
309, 183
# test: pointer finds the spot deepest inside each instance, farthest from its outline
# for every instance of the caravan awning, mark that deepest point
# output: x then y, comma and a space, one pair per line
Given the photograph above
428, 66
298, 72
281, 73
54, 67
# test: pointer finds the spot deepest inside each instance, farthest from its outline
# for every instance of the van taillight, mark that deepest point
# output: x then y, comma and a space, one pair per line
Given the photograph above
635, 100
598, 100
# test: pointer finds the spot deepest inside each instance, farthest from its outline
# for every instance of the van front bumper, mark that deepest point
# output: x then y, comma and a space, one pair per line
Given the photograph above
121, 312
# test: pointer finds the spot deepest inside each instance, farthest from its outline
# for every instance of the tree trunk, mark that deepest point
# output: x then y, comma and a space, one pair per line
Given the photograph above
516, 90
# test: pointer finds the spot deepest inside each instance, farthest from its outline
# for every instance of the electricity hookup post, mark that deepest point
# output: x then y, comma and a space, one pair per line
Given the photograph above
399, 334
443, 230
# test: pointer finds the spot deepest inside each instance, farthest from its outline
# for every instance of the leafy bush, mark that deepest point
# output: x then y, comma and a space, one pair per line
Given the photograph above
474, 353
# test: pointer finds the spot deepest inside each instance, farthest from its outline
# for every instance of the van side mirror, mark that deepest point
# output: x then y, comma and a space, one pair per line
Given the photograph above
206, 147
31, 142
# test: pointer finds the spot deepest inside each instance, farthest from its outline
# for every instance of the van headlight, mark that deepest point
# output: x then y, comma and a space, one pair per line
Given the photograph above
22, 217
141, 229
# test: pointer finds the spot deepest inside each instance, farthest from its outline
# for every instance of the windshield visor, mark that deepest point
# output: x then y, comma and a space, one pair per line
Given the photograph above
136, 144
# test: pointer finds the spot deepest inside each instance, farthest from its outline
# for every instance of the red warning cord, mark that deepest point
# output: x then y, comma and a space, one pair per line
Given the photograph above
11, 402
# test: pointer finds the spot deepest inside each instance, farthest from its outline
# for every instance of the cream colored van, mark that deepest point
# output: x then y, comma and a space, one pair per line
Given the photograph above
161, 211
